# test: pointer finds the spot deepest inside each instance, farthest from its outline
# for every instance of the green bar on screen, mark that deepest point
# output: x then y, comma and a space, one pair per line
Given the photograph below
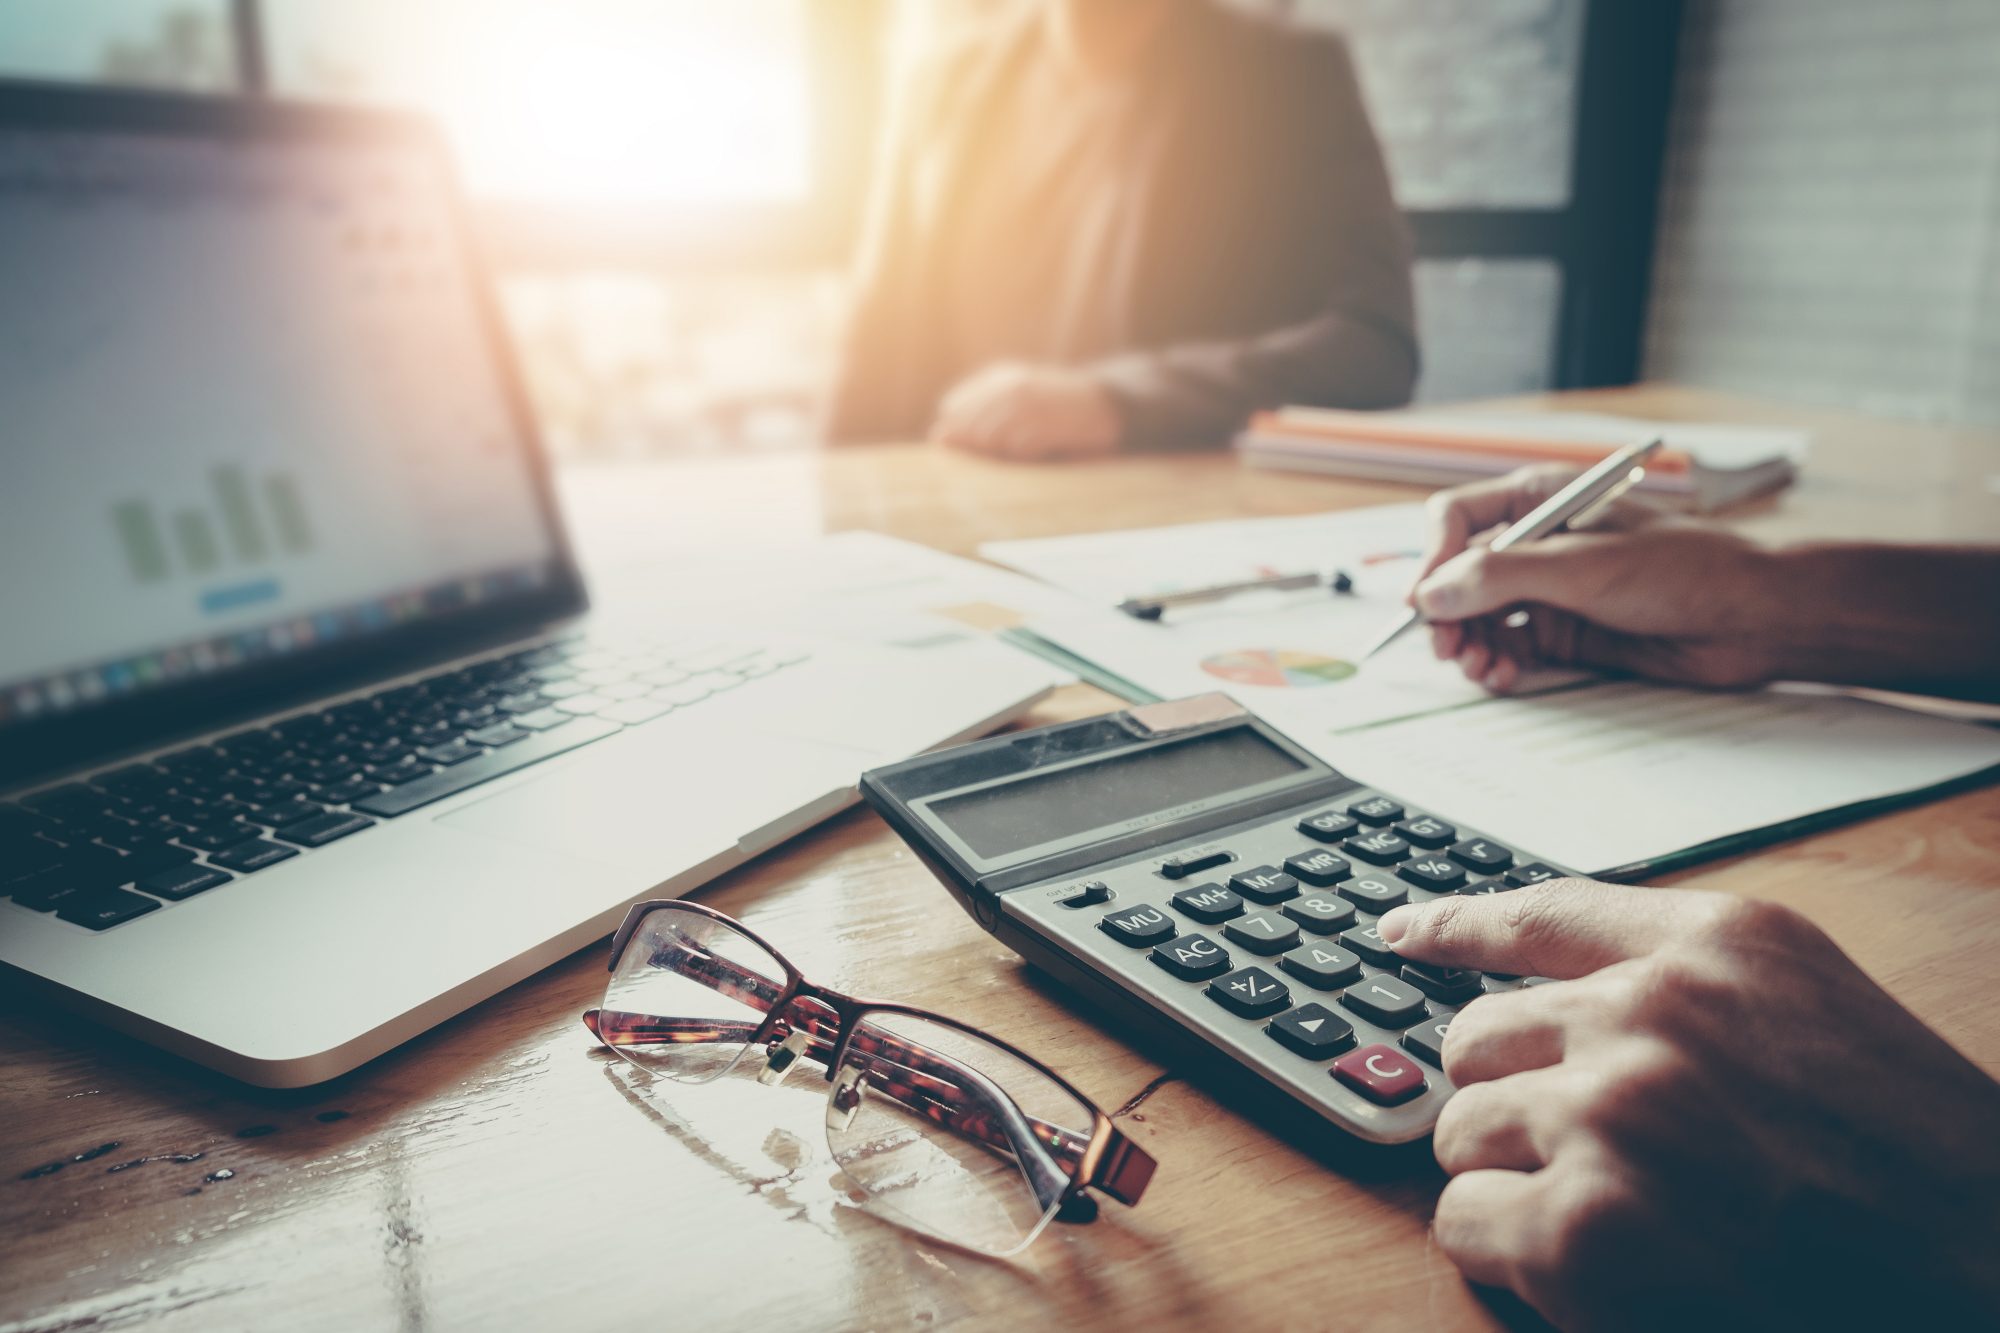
239, 517
139, 534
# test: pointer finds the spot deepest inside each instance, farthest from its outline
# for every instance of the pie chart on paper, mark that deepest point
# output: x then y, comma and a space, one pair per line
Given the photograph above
1277, 668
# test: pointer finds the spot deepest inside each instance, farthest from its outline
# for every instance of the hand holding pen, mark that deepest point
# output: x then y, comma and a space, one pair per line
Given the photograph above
1638, 592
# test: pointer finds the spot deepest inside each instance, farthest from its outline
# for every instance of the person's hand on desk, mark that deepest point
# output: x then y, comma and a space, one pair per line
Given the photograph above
1717, 1120
1031, 413
1640, 593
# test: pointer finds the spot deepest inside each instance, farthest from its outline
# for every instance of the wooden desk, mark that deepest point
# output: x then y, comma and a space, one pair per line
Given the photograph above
499, 1172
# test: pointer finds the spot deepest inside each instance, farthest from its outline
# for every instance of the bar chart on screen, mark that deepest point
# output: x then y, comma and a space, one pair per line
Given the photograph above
250, 523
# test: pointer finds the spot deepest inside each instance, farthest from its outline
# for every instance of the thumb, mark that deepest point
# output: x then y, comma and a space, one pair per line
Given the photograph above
1570, 572
1561, 928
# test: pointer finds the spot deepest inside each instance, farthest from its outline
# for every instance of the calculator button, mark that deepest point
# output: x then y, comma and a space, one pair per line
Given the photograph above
1263, 932
1532, 873
1482, 886
1319, 867
1446, 985
1264, 884
1209, 903
1381, 848
1250, 992
1180, 867
1382, 1074
1365, 941
1433, 873
1426, 1039
1312, 1030
1375, 893
1320, 913
1328, 825
1323, 965
1376, 810
1088, 894
1488, 858
1138, 927
1427, 831
1191, 957
1385, 1001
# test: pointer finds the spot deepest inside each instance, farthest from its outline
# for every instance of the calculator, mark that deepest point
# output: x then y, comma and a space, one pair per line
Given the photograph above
1202, 879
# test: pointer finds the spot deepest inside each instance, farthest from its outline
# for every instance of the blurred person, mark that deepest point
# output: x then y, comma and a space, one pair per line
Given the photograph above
1125, 224
1715, 1119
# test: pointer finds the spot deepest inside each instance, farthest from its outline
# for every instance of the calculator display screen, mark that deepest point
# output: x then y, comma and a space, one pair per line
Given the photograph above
1060, 804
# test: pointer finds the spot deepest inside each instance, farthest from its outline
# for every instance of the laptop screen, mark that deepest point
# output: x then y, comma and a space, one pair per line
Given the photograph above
251, 411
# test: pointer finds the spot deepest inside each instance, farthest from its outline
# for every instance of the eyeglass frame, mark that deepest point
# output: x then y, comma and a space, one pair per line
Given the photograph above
1110, 1161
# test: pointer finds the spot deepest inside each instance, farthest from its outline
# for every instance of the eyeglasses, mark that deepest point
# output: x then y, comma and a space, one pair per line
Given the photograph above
935, 1125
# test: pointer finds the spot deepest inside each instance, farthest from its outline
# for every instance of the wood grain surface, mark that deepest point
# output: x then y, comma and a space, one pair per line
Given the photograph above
501, 1172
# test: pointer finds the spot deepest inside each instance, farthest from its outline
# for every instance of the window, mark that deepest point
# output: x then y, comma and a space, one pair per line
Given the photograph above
1524, 138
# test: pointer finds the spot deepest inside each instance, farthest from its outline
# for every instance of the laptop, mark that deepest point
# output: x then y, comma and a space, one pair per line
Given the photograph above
307, 740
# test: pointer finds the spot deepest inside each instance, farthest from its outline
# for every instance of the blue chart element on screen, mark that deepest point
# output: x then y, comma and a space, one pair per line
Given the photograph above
235, 596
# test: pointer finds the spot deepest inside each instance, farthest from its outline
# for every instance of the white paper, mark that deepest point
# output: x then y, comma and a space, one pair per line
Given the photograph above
860, 587
1595, 776
1613, 774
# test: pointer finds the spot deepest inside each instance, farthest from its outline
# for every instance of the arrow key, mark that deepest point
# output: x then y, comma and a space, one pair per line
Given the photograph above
1313, 1031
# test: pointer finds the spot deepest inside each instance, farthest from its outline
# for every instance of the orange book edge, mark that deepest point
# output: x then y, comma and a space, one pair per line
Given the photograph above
1523, 447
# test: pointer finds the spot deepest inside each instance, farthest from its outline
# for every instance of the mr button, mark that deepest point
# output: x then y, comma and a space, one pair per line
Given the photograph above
1382, 1074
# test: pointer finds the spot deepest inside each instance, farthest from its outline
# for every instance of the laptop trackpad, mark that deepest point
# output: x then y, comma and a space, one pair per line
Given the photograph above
662, 807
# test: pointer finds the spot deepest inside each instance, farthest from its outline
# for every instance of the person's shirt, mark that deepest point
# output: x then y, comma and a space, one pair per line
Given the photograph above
1209, 232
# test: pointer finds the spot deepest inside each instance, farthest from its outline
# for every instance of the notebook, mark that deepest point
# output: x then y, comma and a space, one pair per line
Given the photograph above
1704, 467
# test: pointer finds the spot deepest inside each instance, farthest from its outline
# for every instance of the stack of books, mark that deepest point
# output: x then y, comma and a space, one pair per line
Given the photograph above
1704, 467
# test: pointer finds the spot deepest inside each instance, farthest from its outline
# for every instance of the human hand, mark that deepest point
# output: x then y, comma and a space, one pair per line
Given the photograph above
1636, 593
1717, 1121
1031, 413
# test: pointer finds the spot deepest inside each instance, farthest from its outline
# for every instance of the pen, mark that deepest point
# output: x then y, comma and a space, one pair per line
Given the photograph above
1572, 506
1152, 608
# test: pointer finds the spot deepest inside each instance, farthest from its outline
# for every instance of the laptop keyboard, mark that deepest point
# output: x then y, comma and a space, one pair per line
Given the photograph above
127, 841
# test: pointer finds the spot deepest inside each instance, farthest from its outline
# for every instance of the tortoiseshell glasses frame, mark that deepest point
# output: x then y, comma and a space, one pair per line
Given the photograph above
791, 1017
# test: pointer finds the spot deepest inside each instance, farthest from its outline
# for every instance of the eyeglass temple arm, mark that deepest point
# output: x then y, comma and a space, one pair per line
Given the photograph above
1121, 1168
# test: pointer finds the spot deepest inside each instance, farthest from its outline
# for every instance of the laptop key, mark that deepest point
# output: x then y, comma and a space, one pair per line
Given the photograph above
452, 752
324, 828
248, 857
182, 882
634, 711
542, 719
500, 733
101, 909
450, 781
340, 793
277, 814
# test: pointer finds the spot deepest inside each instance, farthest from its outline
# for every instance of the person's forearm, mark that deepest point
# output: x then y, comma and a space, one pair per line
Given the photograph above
1199, 394
1918, 618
